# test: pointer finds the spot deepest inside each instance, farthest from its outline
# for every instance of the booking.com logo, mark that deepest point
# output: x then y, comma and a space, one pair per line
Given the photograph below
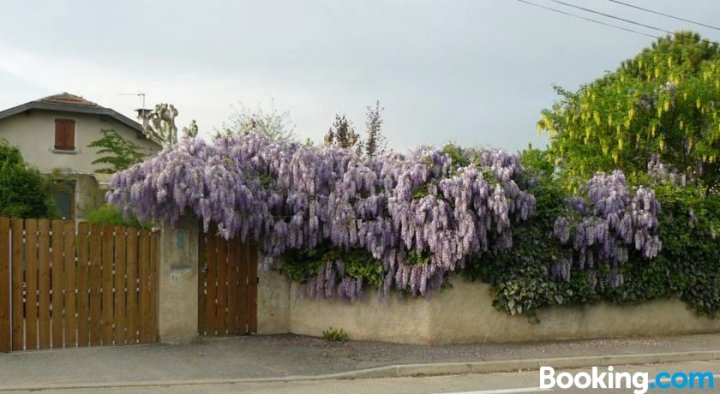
639, 381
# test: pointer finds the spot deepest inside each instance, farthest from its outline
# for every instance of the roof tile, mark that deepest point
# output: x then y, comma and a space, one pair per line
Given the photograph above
67, 98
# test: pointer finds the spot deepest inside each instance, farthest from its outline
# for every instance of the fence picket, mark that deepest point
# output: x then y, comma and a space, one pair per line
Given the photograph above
153, 280
31, 284
5, 287
107, 286
17, 284
144, 286
119, 268
44, 283
252, 265
95, 284
132, 286
82, 288
211, 296
222, 286
70, 284
243, 277
56, 266
232, 288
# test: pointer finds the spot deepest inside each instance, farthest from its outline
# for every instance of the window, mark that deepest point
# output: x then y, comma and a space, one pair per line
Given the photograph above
64, 134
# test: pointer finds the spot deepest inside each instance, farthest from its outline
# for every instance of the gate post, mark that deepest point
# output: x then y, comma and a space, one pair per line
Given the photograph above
178, 281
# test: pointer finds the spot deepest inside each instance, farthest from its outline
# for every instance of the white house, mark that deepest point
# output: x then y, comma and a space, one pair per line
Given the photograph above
53, 134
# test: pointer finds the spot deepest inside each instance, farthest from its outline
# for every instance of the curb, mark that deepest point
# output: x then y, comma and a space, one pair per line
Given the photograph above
411, 370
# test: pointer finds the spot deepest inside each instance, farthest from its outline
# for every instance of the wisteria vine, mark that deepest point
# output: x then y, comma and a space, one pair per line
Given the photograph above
605, 226
422, 214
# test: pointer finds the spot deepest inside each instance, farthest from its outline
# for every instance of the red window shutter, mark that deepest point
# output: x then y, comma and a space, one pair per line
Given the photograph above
64, 134
70, 134
59, 134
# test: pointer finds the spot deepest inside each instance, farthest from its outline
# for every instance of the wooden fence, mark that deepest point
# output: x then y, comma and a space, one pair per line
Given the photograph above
68, 285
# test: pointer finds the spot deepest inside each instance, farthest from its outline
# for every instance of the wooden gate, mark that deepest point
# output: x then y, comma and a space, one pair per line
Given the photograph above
227, 286
63, 285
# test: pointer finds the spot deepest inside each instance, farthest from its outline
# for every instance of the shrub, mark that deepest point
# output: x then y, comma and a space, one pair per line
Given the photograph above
24, 192
109, 215
335, 335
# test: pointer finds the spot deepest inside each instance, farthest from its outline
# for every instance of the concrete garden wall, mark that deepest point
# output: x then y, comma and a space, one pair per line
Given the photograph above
463, 314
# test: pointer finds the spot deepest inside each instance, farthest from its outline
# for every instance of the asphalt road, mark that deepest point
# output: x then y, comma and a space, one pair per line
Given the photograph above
497, 383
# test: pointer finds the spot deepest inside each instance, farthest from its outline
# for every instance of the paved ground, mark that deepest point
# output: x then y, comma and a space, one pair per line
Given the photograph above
496, 383
288, 355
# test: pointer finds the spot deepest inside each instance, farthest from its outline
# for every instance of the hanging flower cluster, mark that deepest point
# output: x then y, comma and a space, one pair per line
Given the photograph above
661, 172
422, 214
609, 222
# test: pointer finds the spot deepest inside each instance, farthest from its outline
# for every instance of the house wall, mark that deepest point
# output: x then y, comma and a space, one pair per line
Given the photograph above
464, 314
34, 135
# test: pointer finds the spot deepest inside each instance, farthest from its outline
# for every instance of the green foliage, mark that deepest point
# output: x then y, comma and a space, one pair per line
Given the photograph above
335, 335
109, 215
119, 153
664, 101
303, 264
520, 276
24, 192
464, 157
691, 249
688, 266
420, 191
457, 154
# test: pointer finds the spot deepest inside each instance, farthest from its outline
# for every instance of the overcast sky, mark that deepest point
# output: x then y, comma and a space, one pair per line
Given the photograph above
476, 72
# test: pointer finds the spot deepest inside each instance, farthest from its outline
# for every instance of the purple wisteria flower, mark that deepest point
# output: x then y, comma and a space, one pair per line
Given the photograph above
609, 221
288, 196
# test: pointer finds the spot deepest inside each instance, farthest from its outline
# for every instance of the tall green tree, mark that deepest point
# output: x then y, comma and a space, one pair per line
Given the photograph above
375, 143
24, 192
116, 152
665, 101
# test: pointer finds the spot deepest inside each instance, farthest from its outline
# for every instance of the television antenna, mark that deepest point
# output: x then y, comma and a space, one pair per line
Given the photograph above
142, 95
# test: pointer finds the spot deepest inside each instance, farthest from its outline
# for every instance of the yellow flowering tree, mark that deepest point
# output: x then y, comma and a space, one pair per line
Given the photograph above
661, 105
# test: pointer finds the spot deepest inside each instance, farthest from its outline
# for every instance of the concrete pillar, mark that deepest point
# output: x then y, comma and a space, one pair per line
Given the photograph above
178, 281
273, 301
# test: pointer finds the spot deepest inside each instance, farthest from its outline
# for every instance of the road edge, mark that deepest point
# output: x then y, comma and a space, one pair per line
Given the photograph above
411, 370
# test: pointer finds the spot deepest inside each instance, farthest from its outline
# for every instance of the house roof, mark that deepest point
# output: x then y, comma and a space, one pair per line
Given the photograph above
66, 102
67, 98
